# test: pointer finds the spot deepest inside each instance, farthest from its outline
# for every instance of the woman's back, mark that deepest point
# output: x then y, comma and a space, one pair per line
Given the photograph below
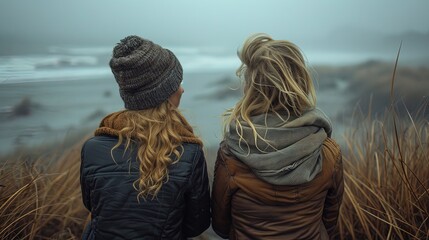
144, 175
107, 187
260, 210
278, 173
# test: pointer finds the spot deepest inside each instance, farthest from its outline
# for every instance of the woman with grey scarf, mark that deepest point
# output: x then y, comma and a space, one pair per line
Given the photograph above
278, 173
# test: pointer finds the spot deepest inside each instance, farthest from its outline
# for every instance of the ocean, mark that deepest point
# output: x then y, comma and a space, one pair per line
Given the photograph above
67, 90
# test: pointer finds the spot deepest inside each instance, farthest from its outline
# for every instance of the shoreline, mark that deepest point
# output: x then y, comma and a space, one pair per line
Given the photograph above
57, 109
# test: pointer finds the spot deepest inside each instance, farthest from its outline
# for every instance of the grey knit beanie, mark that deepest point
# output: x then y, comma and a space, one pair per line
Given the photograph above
147, 74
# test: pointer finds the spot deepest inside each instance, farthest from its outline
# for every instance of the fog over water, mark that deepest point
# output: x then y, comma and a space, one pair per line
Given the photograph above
55, 53
313, 25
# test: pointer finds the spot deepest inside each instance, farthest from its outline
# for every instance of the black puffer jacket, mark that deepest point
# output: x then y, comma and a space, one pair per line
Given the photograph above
180, 210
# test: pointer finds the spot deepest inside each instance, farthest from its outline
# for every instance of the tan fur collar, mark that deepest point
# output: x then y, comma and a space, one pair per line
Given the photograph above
114, 122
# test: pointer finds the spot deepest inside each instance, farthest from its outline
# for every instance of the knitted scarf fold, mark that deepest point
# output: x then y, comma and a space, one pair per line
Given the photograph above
113, 123
291, 153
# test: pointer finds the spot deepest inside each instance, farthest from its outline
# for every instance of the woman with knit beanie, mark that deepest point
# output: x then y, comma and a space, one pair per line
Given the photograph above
278, 173
143, 174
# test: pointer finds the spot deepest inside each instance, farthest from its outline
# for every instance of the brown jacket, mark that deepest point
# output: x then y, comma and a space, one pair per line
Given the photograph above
246, 207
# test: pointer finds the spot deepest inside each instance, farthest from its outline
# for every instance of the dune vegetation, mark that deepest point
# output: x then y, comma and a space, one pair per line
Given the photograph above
40, 195
386, 186
386, 179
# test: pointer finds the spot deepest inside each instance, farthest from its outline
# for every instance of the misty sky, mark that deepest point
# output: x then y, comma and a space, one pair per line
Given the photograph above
203, 22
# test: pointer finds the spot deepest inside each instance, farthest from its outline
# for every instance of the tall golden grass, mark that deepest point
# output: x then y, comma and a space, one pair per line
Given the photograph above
387, 176
40, 195
386, 180
386, 190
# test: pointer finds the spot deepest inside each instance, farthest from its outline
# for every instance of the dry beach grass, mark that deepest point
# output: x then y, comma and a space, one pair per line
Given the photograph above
386, 180
386, 175
40, 196
386, 190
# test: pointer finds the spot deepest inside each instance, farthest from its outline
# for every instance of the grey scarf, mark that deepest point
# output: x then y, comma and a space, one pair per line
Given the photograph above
291, 155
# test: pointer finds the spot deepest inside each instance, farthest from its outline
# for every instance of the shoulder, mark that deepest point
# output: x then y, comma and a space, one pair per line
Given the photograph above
99, 141
192, 148
331, 149
192, 151
97, 149
331, 153
227, 159
224, 155
192, 154
191, 160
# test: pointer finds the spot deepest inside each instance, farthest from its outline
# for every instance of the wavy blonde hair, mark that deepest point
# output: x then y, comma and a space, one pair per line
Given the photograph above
154, 131
275, 79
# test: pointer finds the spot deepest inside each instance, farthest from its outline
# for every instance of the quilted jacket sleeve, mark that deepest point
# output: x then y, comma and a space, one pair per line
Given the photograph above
197, 216
84, 188
221, 197
334, 198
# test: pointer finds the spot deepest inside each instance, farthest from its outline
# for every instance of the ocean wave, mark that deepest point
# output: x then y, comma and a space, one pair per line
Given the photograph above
67, 63
92, 51
19, 69
46, 75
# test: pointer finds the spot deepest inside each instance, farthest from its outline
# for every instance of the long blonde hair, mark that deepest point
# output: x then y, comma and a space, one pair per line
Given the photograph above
155, 133
275, 80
